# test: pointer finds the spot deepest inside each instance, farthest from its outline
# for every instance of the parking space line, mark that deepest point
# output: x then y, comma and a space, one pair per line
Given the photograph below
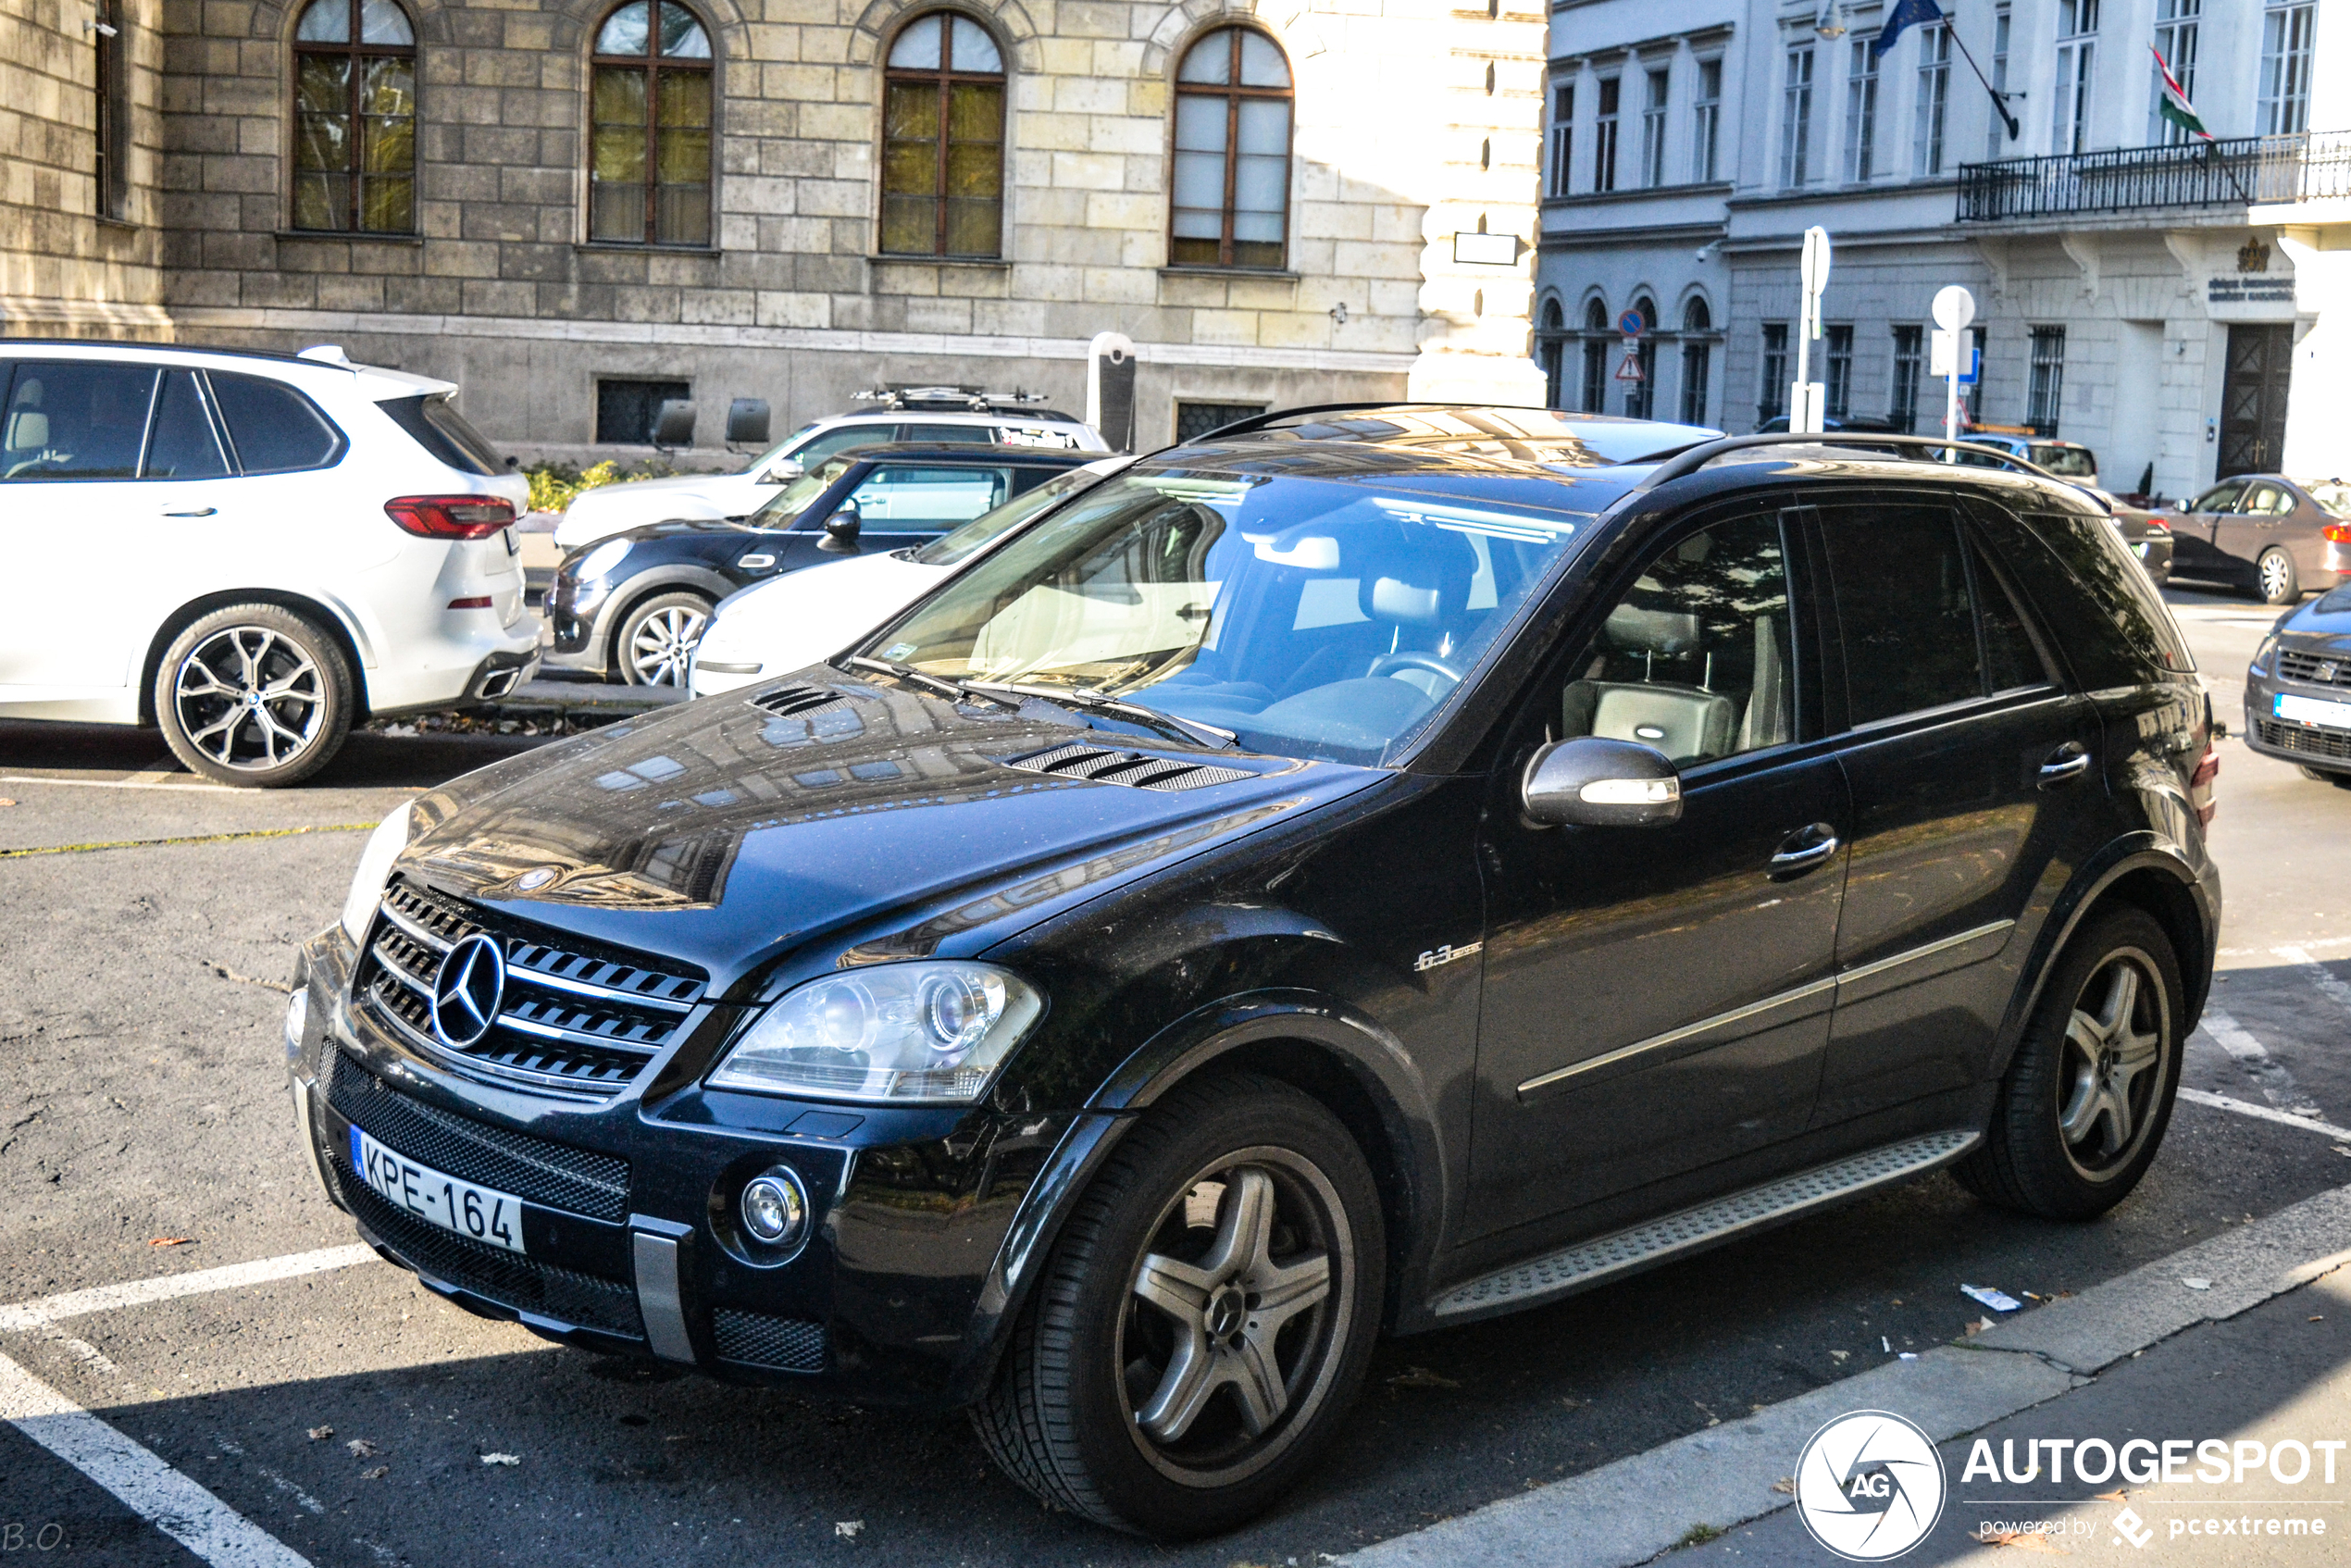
134, 782
2238, 1041
23, 1316
2322, 979
2266, 1113
162, 1496
192, 839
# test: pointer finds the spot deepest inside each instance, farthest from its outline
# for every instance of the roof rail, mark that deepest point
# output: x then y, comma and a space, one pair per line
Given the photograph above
1261, 421
971, 398
1690, 459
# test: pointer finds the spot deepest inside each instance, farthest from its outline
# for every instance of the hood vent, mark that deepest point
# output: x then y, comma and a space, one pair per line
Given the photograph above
1132, 768
785, 701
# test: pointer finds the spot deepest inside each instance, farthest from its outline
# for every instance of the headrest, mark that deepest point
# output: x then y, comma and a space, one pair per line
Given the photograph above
1632, 629
28, 431
1403, 603
1428, 577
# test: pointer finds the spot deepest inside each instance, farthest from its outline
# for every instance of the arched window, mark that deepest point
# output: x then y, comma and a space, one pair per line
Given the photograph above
943, 141
1595, 357
1698, 355
1550, 350
649, 106
355, 165
1231, 204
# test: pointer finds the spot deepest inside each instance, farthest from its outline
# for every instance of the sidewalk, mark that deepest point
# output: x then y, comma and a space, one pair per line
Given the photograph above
2257, 1350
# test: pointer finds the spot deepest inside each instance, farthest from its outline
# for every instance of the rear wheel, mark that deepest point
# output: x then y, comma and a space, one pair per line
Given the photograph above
1204, 1321
656, 640
2323, 776
2274, 575
255, 694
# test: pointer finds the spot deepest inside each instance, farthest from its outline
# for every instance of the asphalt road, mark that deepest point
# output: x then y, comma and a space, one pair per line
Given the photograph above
142, 1100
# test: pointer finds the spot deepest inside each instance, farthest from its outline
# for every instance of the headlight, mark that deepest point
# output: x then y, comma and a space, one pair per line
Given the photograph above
2263, 654
601, 559
374, 869
932, 1031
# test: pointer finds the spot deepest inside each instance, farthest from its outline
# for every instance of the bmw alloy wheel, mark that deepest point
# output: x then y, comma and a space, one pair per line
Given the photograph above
2279, 582
249, 698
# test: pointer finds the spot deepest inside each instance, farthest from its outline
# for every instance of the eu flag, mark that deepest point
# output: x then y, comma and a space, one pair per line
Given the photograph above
1906, 13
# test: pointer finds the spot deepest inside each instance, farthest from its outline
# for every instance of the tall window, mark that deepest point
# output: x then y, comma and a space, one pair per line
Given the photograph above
2077, 55
1698, 358
1550, 350
1706, 123
1838, 398
1594, 357
354, 117
111, 137
1604, 136
1232, 153
2287, 39
1654, 130
1562, 138
2047, 392
1934, 101
1860, 113
1903, 407
650, 100
2176, 25
1771, 401
1996, 132
1640, 397
1796, 118
943, 141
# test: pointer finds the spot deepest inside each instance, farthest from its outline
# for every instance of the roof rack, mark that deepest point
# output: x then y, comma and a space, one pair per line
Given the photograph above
970, 398
1690, 459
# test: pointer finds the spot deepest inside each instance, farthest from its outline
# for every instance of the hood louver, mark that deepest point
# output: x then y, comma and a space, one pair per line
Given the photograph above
1134, 770
785, 701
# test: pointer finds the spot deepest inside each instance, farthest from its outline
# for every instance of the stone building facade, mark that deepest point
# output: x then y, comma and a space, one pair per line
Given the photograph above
1411, 122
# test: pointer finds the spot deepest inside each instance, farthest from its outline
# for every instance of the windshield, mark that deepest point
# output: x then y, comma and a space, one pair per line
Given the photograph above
954, 549
2067, 462
2332, 495
778, 510
1314, 617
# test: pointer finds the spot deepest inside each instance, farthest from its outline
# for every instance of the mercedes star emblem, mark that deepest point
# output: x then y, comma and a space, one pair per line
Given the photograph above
531, 881
466, 991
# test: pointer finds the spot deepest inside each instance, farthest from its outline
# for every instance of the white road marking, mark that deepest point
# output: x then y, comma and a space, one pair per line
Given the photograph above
2322, 979
170, 1502
28, 1316
118, 784
2267, 1114
2233, 1038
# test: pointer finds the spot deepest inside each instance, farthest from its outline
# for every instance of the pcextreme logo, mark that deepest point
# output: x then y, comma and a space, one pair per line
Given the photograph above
1869, 1486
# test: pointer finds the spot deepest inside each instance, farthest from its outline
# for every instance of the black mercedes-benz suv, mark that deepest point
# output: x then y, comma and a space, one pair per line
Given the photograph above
1344, 875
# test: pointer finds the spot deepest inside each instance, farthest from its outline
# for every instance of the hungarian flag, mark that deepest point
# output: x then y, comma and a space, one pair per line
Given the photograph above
1906, 13
2175, 106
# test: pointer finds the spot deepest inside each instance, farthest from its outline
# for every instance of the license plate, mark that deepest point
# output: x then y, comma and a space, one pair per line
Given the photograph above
478, 1212
2311, 710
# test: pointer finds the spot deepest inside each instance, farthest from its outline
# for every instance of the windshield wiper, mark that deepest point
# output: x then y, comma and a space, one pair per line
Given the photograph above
1096, 702
935, 682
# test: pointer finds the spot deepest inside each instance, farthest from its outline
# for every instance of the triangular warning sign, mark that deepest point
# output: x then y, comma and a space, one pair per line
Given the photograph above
1630, 370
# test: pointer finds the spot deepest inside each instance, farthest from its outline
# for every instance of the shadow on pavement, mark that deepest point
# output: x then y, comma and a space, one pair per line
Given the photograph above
367, 761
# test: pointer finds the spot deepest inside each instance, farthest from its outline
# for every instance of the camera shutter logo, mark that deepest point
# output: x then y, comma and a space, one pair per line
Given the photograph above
466, 991
1870, 1486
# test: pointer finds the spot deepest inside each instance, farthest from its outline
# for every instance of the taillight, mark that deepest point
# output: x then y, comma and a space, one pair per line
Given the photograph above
451, 517
2200, 786
471, 602
2154, 526
2337, 533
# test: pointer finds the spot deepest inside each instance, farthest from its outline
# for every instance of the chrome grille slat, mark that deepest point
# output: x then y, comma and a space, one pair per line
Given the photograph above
417, 932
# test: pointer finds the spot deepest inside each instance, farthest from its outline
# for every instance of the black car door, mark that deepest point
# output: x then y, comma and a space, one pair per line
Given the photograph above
1973, 771
1656, 998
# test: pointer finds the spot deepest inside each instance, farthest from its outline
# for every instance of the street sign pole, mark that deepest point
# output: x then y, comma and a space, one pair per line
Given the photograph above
1954, 309
1806, 402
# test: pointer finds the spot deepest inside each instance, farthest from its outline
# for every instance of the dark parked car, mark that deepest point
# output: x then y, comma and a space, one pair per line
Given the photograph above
634, 605
1293, 890
2149, 537
2297, 692
2274, 535
1856, 423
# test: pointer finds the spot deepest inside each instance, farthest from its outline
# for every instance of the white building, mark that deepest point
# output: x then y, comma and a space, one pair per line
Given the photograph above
2166, 302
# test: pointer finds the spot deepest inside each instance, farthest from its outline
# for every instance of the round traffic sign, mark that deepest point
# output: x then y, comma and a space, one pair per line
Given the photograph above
1954, 307
1631, 325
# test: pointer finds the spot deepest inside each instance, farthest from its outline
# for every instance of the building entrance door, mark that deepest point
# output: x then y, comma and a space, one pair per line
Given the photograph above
2253, 401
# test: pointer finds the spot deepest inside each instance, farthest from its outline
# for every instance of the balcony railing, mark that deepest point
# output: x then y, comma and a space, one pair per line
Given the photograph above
2307, 165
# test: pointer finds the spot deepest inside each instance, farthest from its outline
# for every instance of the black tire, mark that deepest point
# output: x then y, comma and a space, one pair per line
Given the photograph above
255, 694
2275, 578
657, 636
2031, 1159
1070, 1411
2326, 776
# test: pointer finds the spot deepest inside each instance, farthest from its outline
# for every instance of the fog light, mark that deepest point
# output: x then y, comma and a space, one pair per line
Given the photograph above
297, 1016
775, 1209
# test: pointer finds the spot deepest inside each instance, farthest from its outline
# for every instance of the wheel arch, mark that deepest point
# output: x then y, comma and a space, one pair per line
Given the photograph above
669, 578
332, 618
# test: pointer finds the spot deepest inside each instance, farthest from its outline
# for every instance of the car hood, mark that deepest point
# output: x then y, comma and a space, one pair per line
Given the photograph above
632, 491
2327, 615
865, 586
864, 817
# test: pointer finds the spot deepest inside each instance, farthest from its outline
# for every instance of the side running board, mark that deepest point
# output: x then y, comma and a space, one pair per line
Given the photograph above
1586, 1263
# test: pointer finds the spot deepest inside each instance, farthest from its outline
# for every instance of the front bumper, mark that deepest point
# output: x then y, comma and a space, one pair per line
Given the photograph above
2309, 744
898, 1297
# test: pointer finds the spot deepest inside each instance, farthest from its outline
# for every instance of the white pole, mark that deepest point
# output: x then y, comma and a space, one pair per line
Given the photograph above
1954, 309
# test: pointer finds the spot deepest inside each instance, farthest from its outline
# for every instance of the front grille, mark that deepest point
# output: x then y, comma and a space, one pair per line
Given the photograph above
2315, 669
1132, 768
2331, 743
534, 1169
575, 1019
785, 1344
504, 1277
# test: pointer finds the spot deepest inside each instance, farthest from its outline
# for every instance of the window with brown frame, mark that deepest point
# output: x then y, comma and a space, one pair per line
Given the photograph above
650, 127
944, 140
355, 165
1231, 202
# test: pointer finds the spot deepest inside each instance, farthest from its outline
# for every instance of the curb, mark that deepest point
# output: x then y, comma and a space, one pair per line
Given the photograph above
1648, 1503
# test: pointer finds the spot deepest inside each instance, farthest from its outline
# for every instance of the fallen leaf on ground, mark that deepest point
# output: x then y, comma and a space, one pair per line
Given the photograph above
169, 1240
6, 802
319, 1432
378, 1473
362, 1449
2118, 1495
1785, 1485
2318, 1317
500, 1459
847, 1528
2023, 1540
1839, 1355
1420, 1378
2197, 1284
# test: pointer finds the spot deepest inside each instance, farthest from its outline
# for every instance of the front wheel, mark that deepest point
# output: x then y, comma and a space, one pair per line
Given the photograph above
2274, 575
255, 694
1204, 1321
655, 643
2086, 1100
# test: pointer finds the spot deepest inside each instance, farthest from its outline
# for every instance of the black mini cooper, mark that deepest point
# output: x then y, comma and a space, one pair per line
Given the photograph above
1308, 886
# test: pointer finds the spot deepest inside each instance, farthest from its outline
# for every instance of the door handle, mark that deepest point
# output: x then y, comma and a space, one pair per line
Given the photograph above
1804, 849
2067, 763
189, 511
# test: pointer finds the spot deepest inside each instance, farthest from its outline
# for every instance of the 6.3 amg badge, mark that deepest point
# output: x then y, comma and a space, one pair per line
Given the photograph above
1869, 1486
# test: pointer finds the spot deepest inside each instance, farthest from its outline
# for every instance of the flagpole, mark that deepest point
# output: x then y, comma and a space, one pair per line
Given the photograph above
1999, 105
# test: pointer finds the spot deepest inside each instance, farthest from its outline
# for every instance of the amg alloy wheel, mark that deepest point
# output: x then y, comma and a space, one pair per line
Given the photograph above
1204, 1320
657, 642
254, 694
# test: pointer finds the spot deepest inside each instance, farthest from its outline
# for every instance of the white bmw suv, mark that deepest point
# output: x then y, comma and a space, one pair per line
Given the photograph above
250, 551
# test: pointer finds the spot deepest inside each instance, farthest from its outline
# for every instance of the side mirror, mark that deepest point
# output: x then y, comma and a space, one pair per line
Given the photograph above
2180, 505
674, 425
747, 422
1593, 782
782, 471
841, 530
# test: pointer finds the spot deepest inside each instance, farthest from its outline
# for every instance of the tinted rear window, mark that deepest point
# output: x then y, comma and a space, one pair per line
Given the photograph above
274, 428
2078, 572
442, 431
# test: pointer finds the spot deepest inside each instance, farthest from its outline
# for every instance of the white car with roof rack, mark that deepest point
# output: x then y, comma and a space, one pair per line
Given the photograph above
931, 414
285, 545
